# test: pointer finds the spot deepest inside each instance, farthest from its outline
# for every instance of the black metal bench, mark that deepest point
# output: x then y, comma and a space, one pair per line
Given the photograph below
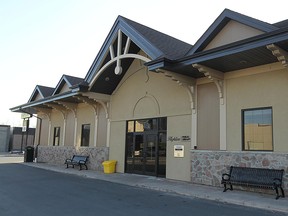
77, 160
254, 177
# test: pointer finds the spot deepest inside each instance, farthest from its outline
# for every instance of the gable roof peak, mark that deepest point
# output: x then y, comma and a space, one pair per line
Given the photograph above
72, 79
152, 42
226, 16
69, 80
43, 91
259, 24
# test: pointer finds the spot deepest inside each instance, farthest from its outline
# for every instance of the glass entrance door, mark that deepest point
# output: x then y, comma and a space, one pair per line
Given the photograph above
146, 147
142, 157
138, 154
150, 160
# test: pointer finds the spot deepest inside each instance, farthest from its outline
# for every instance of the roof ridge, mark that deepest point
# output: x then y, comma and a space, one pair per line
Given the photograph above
281, 24
160, 32
250, 18
66, 75
154, 43
42, 86
153, 36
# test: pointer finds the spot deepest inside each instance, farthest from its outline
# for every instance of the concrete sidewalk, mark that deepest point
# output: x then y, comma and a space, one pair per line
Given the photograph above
249, 199
244, 198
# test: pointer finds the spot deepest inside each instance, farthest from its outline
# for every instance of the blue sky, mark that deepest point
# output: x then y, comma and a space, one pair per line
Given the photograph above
40, 40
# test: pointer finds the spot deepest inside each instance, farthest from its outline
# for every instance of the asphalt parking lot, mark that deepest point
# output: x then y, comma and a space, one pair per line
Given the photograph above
44, 189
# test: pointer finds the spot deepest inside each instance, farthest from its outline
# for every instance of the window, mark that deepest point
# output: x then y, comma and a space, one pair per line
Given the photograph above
257, 129
85, 135
142, 125
130, 126
56, 138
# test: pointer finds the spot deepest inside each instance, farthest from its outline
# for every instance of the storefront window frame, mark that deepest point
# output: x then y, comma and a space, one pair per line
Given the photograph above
56, 136
263, 123
85, 136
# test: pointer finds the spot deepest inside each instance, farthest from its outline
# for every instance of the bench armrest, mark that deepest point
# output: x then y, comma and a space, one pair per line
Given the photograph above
68, 160
226, 176
277, 181
82, 161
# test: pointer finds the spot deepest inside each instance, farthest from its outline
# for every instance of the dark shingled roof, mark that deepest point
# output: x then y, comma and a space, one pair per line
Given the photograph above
70, 80
45, 91
281, 24
73, 80
171, 47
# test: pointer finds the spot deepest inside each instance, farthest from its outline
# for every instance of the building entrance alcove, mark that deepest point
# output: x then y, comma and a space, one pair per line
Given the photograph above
146, 147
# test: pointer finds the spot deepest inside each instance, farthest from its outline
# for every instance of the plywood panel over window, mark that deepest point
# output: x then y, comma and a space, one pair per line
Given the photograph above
208, 122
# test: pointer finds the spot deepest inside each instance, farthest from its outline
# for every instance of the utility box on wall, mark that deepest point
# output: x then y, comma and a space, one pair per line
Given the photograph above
4, 137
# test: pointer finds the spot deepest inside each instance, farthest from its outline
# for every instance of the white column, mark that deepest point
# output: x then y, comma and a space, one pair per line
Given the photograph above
96, 130
223, 125
49, 132
64, 131
75, 132
194, 130
192, 92
108, 133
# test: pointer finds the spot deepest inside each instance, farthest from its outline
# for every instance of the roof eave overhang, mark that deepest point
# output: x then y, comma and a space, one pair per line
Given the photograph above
31, 106
234, 48
159, 63
80, 88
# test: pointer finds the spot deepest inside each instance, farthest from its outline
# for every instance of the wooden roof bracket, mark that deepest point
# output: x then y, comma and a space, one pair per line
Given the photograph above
215, 76
46, 112
59, 108
88, 101
94, 103
279, 53
188, 83
69, 106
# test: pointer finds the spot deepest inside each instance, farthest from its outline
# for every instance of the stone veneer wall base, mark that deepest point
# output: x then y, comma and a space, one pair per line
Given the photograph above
207, 166
58, 154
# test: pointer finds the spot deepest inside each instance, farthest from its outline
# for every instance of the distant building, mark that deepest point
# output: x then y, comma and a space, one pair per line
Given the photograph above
162, 107
13, 139
19, 140
4, 138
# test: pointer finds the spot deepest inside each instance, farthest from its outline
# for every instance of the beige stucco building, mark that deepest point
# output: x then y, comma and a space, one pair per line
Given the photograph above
162, 107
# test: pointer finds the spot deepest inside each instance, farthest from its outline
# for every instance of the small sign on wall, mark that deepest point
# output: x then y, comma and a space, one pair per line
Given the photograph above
185, 138
178, 151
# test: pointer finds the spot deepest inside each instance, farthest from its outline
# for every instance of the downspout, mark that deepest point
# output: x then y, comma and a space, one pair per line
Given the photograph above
36, 150
40, 127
